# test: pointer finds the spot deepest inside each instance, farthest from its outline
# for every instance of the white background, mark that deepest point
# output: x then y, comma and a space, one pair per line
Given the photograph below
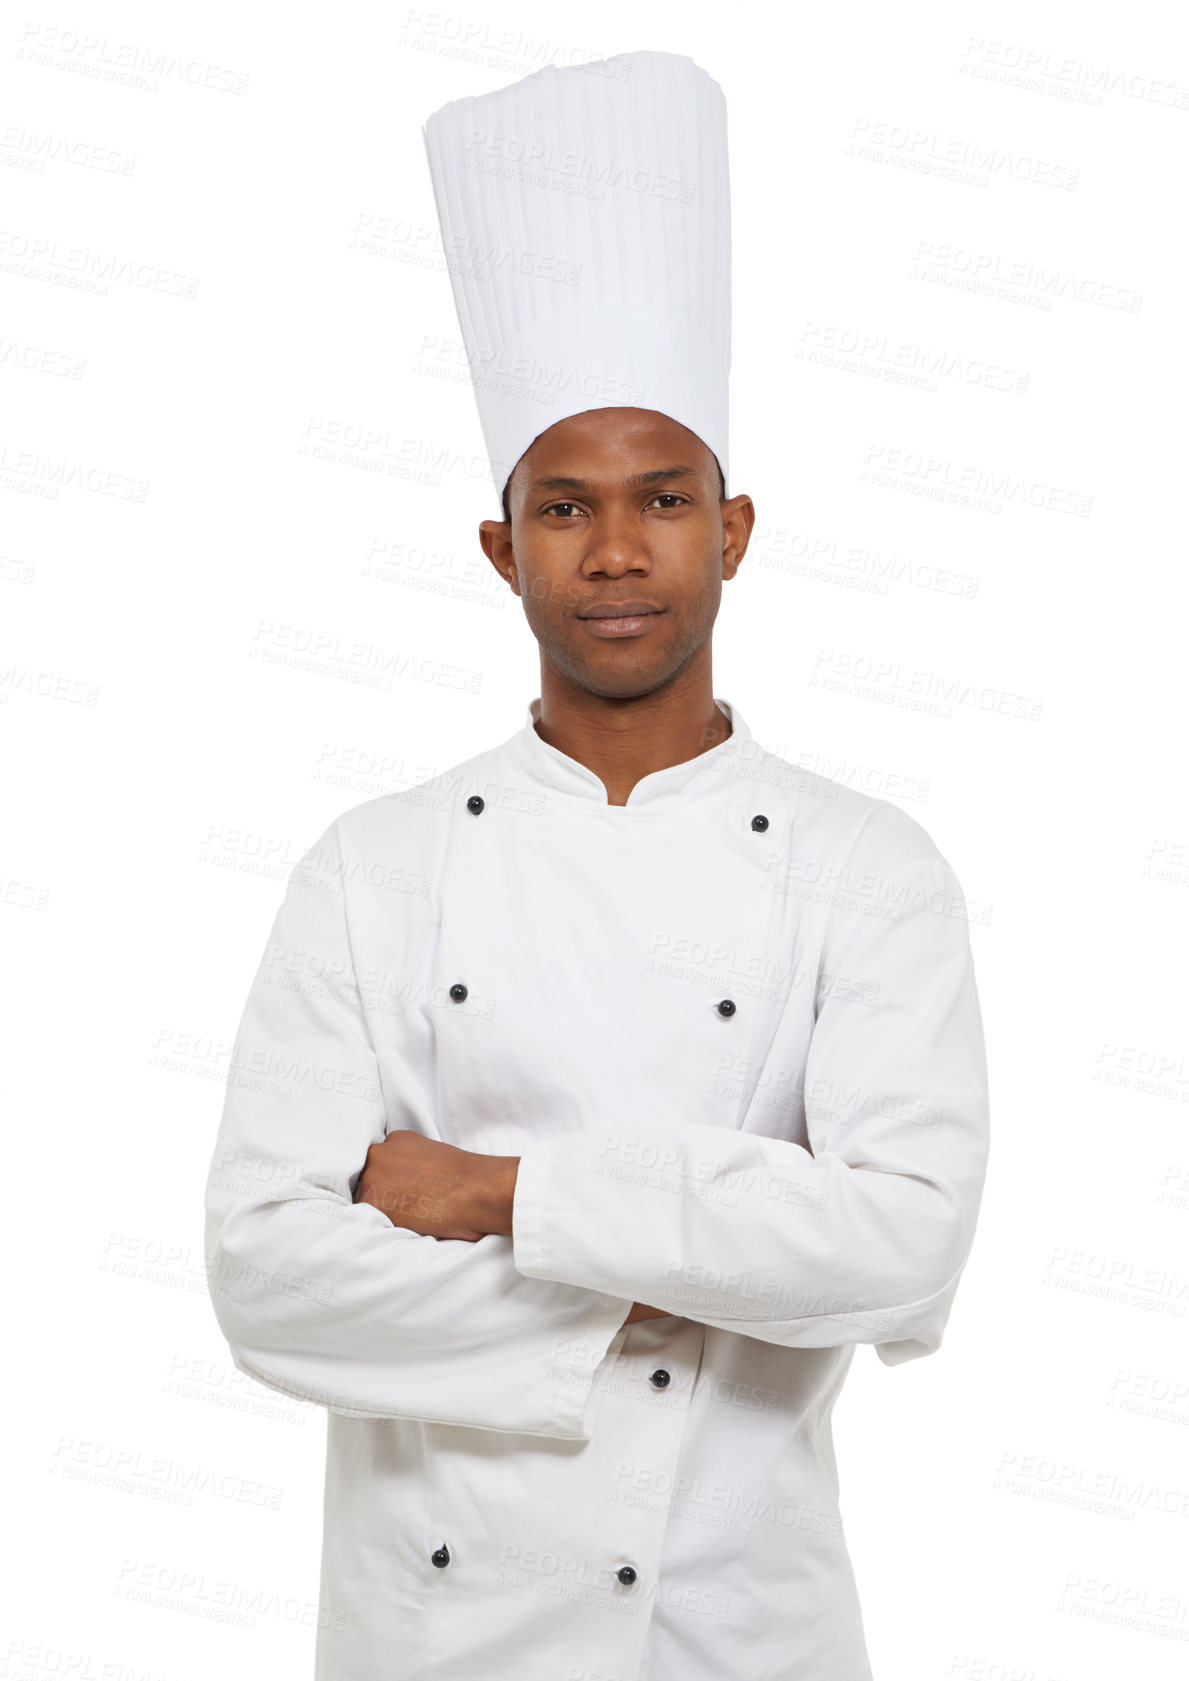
256, 276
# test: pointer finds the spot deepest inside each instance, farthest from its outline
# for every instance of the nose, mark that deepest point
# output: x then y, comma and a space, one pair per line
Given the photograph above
615, 546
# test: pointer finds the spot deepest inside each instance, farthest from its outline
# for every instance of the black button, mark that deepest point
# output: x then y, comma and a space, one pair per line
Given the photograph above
727, 1007
442, 1557
760, 822
475, 804
626, 1575
458, 992
660, 1378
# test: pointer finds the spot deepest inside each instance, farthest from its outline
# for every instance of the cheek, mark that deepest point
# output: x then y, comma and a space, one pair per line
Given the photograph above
547, 590
696, 570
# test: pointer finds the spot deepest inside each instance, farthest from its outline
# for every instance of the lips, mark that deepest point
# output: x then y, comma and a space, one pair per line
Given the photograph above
612, 619
621, 610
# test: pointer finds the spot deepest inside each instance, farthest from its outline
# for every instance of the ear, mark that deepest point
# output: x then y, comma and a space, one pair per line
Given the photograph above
495, 539
738, 520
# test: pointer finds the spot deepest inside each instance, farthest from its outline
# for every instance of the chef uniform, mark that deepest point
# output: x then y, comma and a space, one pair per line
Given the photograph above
731, 1030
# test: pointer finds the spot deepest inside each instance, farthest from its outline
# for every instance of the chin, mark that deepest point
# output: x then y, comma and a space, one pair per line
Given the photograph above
626, 683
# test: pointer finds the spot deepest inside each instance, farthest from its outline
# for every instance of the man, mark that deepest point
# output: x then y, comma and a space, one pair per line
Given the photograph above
609, 1089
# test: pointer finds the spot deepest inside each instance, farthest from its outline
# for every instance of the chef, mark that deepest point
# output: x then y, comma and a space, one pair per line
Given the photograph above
595, 1100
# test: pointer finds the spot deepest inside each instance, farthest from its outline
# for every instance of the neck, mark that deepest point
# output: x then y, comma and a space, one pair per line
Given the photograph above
624, 738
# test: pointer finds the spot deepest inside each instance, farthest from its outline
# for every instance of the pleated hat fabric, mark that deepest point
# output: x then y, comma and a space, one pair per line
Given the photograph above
585, 215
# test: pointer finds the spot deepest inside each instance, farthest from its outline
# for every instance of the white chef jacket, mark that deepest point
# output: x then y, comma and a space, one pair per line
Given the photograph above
731, 1030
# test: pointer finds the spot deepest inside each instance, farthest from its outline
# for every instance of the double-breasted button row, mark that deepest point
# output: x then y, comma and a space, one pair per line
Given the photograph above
476, 804
441, 1558
725, 1006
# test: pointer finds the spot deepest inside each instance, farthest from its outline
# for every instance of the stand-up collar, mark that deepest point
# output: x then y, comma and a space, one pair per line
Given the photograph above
706, 776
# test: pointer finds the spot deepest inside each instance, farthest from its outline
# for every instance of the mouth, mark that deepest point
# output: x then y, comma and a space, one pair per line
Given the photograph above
621, 618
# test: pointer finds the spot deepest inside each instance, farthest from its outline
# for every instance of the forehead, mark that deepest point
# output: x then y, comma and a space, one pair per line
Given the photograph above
612, 444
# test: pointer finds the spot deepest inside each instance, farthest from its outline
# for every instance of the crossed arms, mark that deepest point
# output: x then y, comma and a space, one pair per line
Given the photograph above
439, 1190
328, 1288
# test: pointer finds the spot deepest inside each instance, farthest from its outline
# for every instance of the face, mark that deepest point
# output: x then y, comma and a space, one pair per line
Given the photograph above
619, 511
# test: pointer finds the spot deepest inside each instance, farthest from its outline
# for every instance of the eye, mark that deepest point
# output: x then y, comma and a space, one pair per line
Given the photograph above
568, 509
670, 497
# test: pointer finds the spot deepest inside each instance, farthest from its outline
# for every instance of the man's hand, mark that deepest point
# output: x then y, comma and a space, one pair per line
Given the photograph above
437, 1189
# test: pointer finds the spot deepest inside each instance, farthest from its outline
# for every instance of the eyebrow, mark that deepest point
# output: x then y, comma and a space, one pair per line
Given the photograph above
638, 481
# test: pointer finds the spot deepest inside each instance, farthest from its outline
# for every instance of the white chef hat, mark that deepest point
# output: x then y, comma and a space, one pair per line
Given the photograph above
585, 216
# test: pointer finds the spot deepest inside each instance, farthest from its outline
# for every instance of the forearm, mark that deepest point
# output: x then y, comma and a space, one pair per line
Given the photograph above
440, 1191
496, 1193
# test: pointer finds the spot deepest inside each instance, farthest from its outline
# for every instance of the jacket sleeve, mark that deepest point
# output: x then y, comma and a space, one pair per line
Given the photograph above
860, 1238
323, 1298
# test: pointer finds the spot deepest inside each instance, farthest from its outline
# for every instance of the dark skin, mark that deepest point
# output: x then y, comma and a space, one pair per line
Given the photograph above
614, 506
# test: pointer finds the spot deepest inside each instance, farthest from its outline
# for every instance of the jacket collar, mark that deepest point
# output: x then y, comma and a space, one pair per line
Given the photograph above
706, 776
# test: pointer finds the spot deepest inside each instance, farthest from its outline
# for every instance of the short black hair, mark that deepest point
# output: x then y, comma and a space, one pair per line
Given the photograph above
722, 491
